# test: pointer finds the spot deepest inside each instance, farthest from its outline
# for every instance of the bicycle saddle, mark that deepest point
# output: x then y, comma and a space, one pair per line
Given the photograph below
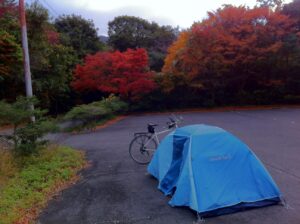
151, 127
152, 124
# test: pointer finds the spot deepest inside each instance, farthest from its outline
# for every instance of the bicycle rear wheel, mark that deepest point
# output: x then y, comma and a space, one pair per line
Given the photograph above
142, 148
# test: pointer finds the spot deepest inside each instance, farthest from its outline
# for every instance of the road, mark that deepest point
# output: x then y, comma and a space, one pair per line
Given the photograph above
117, 190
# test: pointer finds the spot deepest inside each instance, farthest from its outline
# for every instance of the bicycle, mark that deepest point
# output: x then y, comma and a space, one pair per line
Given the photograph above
144, 144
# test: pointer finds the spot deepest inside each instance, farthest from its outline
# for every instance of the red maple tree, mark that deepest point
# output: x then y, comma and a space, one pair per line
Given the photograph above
124, 73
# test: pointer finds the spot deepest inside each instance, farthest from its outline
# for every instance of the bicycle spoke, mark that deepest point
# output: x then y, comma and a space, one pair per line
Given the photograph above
141, 149
144, 145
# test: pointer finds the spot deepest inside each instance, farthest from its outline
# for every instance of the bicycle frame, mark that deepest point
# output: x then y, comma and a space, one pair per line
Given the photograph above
144, 144
155, 137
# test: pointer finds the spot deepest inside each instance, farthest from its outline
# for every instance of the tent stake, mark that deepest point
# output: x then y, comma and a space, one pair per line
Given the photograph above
199, 219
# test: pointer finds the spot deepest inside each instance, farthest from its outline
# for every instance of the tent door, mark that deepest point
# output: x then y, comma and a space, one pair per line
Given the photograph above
169, 181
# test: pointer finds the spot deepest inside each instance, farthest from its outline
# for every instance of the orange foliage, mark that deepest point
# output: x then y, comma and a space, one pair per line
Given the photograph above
174, 52
230, 38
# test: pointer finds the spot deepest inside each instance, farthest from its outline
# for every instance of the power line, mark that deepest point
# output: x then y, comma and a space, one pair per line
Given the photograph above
50, 7
57, 14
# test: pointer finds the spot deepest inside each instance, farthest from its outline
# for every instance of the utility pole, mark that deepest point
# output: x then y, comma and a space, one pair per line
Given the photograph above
26, 60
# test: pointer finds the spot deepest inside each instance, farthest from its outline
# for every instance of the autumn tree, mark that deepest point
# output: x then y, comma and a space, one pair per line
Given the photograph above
123, 73
234, 50
174, 78
291, 50
173, 57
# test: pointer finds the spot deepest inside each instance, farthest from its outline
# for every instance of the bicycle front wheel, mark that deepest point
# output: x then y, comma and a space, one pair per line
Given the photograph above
142, 148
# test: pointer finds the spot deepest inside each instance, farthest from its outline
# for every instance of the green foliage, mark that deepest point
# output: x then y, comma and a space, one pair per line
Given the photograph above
87, 111
114, 104
17, 113
90, 114
51, 82
26, 135
129, 32
10, 50
133, 32
10, 54
29, 137
8, 166
40, 176
80, 34
9, 17
51, 61
156, 60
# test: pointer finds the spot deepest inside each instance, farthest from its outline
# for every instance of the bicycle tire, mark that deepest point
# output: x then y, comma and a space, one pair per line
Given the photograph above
138, 151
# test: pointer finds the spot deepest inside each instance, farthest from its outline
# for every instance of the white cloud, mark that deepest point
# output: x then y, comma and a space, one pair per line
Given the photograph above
165, 12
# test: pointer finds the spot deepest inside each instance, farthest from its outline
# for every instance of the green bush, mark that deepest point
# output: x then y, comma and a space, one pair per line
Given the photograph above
89, 115
114, 104
26, 135
87, 112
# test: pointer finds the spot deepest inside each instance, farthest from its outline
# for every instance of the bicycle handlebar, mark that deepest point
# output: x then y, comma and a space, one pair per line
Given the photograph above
174, 121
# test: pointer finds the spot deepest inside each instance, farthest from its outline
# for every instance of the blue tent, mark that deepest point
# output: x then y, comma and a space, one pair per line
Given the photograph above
211, 171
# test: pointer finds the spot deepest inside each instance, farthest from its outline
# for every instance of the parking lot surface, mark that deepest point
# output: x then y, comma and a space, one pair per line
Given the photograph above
114, 189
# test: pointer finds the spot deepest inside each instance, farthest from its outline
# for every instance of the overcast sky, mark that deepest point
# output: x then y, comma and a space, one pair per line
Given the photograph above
165, 12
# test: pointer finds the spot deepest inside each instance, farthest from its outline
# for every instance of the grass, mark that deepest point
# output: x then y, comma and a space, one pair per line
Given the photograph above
27, 184
8, 167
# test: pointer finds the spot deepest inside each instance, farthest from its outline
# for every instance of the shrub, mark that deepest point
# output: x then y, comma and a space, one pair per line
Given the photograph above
90, 114
26, 135
114, 104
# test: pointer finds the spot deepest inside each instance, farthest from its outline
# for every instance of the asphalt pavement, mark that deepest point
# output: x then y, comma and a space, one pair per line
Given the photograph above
114, 189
